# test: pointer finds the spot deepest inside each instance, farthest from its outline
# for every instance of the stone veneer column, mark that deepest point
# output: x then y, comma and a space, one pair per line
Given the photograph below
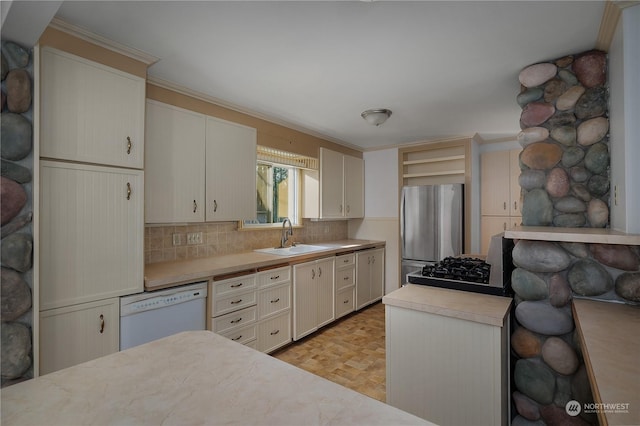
16, 209
565, 183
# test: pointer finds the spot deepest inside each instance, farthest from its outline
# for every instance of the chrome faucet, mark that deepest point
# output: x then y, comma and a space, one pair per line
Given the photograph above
286, 233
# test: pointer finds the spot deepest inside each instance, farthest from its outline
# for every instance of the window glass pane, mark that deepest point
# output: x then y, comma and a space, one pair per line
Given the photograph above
277, 194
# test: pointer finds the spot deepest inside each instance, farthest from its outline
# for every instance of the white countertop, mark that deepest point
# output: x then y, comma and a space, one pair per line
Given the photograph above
193, 377
167, 274
482, 308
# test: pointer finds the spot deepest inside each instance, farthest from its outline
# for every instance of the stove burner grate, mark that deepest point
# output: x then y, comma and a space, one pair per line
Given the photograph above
462, 269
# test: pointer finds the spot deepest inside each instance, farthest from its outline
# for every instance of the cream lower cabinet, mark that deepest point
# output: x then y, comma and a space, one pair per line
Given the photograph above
274, 309
78, 333
253, 308
233, 308
447, 370
313, 296
345, 284
369, 276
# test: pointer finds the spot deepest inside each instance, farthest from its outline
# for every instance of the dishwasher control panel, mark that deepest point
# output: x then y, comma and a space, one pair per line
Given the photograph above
142, 302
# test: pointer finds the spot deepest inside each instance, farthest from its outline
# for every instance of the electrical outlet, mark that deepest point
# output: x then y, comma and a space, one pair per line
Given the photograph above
177, 239
194, 238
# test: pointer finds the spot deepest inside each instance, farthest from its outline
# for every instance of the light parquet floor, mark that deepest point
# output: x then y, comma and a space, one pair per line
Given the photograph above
350, 352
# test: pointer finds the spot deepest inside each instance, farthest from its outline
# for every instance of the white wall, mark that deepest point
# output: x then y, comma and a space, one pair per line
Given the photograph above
381, 220
624, 84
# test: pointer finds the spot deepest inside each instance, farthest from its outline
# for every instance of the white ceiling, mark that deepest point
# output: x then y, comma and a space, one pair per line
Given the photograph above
445, 68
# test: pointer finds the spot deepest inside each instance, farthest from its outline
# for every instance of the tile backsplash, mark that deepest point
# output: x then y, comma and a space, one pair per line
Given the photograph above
225, 238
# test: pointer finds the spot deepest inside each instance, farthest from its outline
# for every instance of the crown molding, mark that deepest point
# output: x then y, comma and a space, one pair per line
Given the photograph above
609, 22
165, 84
104, 42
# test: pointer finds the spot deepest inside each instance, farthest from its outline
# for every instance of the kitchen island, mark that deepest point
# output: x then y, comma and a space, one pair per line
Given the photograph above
190, 378
447, 355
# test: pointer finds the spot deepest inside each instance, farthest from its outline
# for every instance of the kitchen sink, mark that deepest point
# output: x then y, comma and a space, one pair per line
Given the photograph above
293, 250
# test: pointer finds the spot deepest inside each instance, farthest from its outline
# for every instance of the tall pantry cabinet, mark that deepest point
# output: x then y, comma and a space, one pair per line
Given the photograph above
91, 199
500, 201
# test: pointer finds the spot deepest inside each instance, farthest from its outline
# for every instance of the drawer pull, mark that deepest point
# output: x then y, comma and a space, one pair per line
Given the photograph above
276, 300
346, 301
101, 323
236, 285
237, 338
346, 278
235, 321
273, 333
235, 302
276, 277
346, 261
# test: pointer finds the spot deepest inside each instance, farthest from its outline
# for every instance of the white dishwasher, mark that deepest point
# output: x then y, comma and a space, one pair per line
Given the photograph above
149, 316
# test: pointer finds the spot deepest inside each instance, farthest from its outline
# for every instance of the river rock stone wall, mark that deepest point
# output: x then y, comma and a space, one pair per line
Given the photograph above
565, 183
16, 211
565, 158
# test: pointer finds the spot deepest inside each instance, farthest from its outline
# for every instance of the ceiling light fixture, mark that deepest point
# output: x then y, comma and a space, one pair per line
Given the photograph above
376, 116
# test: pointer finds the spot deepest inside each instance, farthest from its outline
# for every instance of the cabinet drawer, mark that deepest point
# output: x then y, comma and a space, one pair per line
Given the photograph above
234, 285
274, 333
344, 278
224, 305
345, 302
274, 276
345, 260
235, 319
242, 335
274, 300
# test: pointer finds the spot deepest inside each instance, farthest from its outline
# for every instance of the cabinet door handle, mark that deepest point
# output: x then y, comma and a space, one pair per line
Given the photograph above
129, 145
273, 333
195, 206
235, 302
504, 205
346, 301
340, 208
348, 208
504, 226
369, 260
313, 273
236, 285
128, 190
101, 323
235, 321
275, 300
515, 205
237, 338
319, 272
275, 277
215, 206
373, 259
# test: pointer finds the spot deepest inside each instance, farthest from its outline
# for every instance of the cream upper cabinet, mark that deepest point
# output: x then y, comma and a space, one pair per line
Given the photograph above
90, 112
91, 233
230, 171
338, 190
174, 164
499, 187
353, 186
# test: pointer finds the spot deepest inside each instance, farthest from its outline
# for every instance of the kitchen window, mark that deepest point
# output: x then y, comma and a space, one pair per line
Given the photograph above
278, 187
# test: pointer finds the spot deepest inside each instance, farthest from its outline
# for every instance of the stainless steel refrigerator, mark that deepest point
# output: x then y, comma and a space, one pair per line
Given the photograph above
431, 224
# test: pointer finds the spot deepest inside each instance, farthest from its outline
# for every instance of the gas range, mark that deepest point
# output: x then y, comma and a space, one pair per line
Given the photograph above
463, 273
